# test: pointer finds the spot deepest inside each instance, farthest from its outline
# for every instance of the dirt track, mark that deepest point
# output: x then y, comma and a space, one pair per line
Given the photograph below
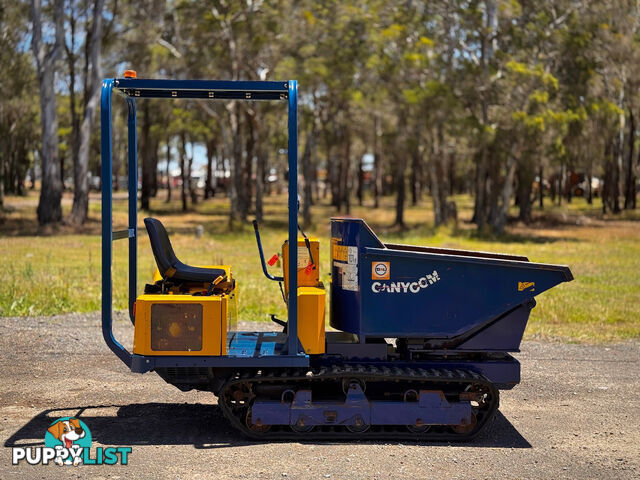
574, 416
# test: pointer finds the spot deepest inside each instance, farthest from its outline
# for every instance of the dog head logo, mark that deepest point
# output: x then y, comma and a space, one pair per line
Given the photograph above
67, 431
70, 434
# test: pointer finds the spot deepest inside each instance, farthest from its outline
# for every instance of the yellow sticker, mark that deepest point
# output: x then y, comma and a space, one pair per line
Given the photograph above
380, 270
524, 285
340, 253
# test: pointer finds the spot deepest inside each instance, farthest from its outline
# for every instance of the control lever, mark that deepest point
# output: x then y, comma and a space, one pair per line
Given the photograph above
282, 323
308, 245
262, 261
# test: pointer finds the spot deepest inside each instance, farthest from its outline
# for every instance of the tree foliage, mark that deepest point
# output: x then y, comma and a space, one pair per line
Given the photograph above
503, 99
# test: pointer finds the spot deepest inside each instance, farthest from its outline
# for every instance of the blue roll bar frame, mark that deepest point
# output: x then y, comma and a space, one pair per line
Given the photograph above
130, 89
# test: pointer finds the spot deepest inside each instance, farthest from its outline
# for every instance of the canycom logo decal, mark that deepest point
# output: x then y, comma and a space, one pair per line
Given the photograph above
406, 287
380, 270
67, 441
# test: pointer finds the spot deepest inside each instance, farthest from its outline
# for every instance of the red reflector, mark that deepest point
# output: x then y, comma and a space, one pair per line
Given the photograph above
272, 261
134, 310
308, 269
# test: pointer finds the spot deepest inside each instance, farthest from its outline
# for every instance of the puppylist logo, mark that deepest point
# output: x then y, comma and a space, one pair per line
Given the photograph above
67, 441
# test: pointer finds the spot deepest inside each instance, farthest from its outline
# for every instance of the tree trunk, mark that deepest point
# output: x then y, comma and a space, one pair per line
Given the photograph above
307, 174
261, 173
606, 180
615, 179
80, 208
5, 165
335, 183
49, 207
1, 184
209, 190
377, 162
73, 110
435, 189
400, 184
250, 153
183, 173
525, 175
154, 168
360, 179
438, 176
168, 170
610, 190
507, 191
493, 184
541, 187
237, 184
485, 202
332, 139
451, 173
192, 187
21, 168
630, 177
61, 170
416, 169
332, 175
147, 161
315, 197
2, 178
562, 182
638, 163
345, 174
400, 171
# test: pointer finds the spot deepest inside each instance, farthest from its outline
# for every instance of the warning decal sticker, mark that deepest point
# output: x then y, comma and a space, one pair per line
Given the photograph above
345, 261
522, 286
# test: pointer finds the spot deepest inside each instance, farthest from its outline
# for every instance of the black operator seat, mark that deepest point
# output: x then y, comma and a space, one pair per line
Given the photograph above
168, 264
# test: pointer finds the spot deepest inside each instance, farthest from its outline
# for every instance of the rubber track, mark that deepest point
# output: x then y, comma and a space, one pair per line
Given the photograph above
368, 373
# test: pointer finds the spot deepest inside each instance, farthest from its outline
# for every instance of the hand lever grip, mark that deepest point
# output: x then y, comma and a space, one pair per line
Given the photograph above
262, 261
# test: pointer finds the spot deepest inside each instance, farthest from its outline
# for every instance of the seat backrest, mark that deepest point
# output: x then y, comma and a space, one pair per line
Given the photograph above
162, 250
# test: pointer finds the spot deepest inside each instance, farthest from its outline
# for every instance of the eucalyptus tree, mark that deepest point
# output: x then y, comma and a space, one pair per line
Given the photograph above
47, 54
90, 21
19, 108
231, 44
144, 48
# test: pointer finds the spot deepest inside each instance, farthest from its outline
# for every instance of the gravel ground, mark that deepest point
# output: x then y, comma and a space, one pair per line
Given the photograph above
574, 416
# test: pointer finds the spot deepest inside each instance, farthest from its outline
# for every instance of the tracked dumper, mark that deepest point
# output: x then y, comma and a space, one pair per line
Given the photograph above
421, 341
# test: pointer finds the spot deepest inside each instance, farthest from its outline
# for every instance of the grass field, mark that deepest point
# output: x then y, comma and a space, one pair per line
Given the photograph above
60, 272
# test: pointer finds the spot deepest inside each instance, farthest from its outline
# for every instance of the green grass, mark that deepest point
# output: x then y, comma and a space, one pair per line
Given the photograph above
60, 273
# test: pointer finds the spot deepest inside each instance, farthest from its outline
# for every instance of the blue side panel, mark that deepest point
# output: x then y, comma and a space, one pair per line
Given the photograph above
443, 296
504, 335
346, 301
424, 294
431, 408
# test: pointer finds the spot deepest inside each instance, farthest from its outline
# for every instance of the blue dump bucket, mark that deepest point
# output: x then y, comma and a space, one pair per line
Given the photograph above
453, 299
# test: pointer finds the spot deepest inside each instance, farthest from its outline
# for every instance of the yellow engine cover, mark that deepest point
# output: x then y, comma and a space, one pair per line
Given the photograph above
311, 332
306, 278
180, 325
